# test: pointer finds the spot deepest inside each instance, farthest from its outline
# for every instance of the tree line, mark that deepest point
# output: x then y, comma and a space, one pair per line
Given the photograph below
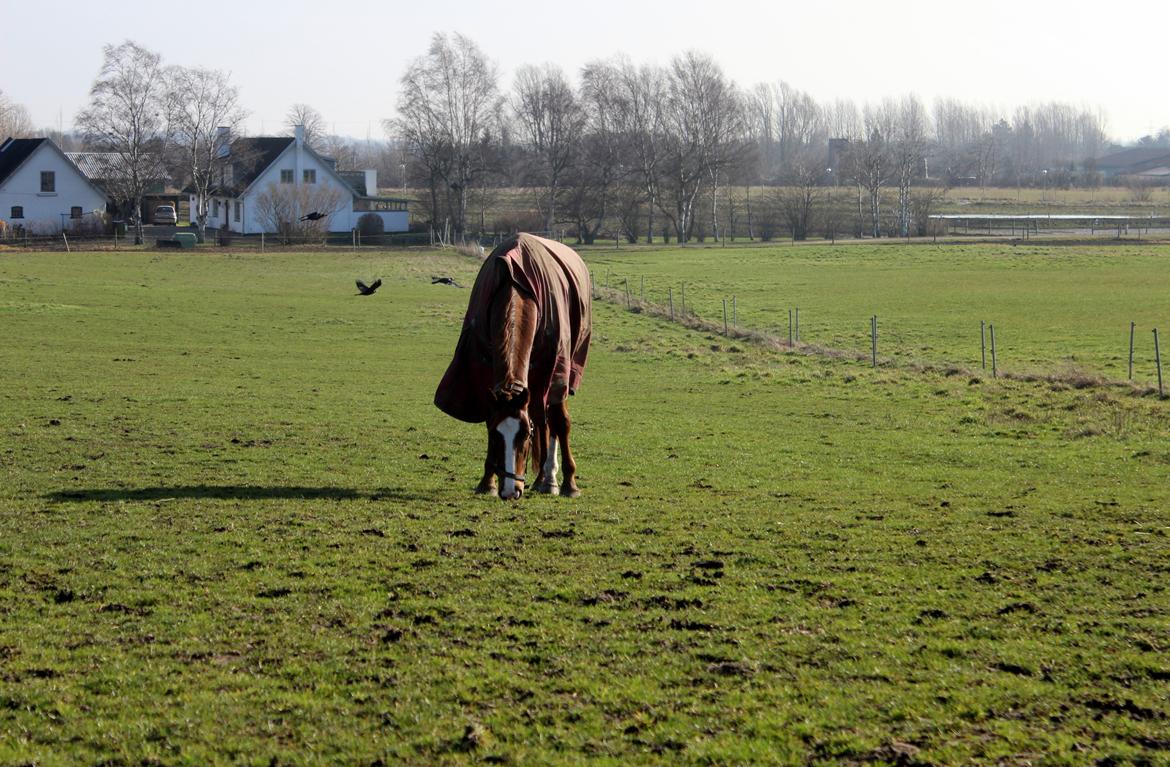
643, 151
625, 150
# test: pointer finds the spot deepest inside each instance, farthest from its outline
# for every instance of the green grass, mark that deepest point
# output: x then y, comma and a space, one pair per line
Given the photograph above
233, 529
1063, 309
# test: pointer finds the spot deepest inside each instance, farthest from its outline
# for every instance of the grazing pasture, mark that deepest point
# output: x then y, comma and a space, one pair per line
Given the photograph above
1062, 309
233, 528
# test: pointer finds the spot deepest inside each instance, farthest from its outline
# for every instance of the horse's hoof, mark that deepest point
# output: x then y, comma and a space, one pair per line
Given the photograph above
546, 488
569, 491
485, 489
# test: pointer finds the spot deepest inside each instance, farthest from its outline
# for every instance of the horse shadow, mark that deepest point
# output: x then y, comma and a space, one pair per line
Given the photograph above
230, 492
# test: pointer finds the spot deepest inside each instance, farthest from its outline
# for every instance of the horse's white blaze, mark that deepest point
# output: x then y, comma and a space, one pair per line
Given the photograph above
508, 429
550, 461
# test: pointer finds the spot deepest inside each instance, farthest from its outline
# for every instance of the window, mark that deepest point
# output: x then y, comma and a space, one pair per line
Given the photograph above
310, 177
75, 211
238, 206
215, 208
17, 211
286, 177
48, 181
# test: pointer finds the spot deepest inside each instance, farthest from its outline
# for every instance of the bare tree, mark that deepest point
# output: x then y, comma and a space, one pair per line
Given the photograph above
639, 118
204, 112
700, 119
281, 208
126, 116
449, 103
311, 120
551, 122
909, 149
801, 194
14, 119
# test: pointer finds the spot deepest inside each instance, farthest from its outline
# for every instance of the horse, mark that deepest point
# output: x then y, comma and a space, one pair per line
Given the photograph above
521, 354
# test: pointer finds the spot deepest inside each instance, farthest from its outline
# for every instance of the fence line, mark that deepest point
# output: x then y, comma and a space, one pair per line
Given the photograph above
721, 326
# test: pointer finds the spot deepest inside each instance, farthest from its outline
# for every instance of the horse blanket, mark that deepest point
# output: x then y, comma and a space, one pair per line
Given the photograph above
555, 277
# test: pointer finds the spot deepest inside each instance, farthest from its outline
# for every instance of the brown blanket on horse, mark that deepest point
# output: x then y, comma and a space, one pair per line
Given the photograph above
555, 277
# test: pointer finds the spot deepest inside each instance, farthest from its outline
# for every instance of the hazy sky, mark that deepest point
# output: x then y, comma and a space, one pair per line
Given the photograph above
345, 58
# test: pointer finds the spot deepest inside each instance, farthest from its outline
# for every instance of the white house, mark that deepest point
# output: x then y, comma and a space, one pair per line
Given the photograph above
42, 191
269, 180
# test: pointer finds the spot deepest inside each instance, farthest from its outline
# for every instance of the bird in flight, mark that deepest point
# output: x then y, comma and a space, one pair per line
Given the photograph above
314, 216
368, 290
445, 281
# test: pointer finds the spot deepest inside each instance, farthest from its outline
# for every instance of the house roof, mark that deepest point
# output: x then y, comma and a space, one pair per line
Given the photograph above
13, 153
96, 166
356, 180
252, 156
1133, 157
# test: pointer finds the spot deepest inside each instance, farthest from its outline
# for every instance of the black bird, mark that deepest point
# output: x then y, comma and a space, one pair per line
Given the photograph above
445, 281
314, 216
368, 290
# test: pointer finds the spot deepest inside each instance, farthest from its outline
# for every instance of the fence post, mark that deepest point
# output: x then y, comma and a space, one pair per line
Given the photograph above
607, 278
983, 343
626, 280
1131, 327
1158, 362
643, 289
670, 300
684, 299
994, 368
873, 337
733, 317
798, 324
789, 328
725, 316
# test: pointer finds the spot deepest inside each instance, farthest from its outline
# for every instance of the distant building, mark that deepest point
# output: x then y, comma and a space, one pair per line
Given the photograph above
106, 171
267, 181
1145, 162
42, 191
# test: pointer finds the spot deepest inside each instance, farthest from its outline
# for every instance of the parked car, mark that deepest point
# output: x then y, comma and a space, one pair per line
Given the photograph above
165, 214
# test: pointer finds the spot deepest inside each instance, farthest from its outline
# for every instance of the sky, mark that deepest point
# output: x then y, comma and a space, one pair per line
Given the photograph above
346, 59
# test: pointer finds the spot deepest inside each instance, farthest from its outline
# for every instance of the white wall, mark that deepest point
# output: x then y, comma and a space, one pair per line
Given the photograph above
42, 210
343, 219
297, 161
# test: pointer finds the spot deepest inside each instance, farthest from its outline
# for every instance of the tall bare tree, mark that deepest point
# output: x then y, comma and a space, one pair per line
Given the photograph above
551, 122
909, 149
449, 104
204, 112
639, 118
311, 120
126, 116
701, 116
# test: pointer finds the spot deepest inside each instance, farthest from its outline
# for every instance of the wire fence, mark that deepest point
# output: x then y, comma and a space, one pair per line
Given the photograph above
724, 320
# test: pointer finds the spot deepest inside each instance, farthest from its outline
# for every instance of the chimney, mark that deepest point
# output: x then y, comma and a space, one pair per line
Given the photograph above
223, 141
299, 133
371, 183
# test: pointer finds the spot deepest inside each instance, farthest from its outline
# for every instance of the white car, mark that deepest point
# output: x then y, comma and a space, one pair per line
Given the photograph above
165, 214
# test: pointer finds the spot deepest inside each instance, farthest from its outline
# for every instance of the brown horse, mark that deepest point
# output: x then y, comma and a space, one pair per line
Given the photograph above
521, 353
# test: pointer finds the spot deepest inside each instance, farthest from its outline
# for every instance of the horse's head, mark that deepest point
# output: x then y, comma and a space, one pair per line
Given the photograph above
509, 438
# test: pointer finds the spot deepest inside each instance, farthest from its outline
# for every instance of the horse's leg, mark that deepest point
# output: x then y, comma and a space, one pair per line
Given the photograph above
488, 483
543, 446
560, 426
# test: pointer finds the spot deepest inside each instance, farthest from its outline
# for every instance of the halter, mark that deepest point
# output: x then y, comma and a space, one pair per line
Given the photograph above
509, 475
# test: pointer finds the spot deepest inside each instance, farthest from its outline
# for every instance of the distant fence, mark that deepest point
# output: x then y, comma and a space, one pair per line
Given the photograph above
723, 318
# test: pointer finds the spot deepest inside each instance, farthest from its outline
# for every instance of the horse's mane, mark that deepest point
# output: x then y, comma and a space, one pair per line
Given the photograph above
513, 330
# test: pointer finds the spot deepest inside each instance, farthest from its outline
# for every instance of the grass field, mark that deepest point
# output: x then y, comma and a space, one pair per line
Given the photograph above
1057, 310
233, 529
